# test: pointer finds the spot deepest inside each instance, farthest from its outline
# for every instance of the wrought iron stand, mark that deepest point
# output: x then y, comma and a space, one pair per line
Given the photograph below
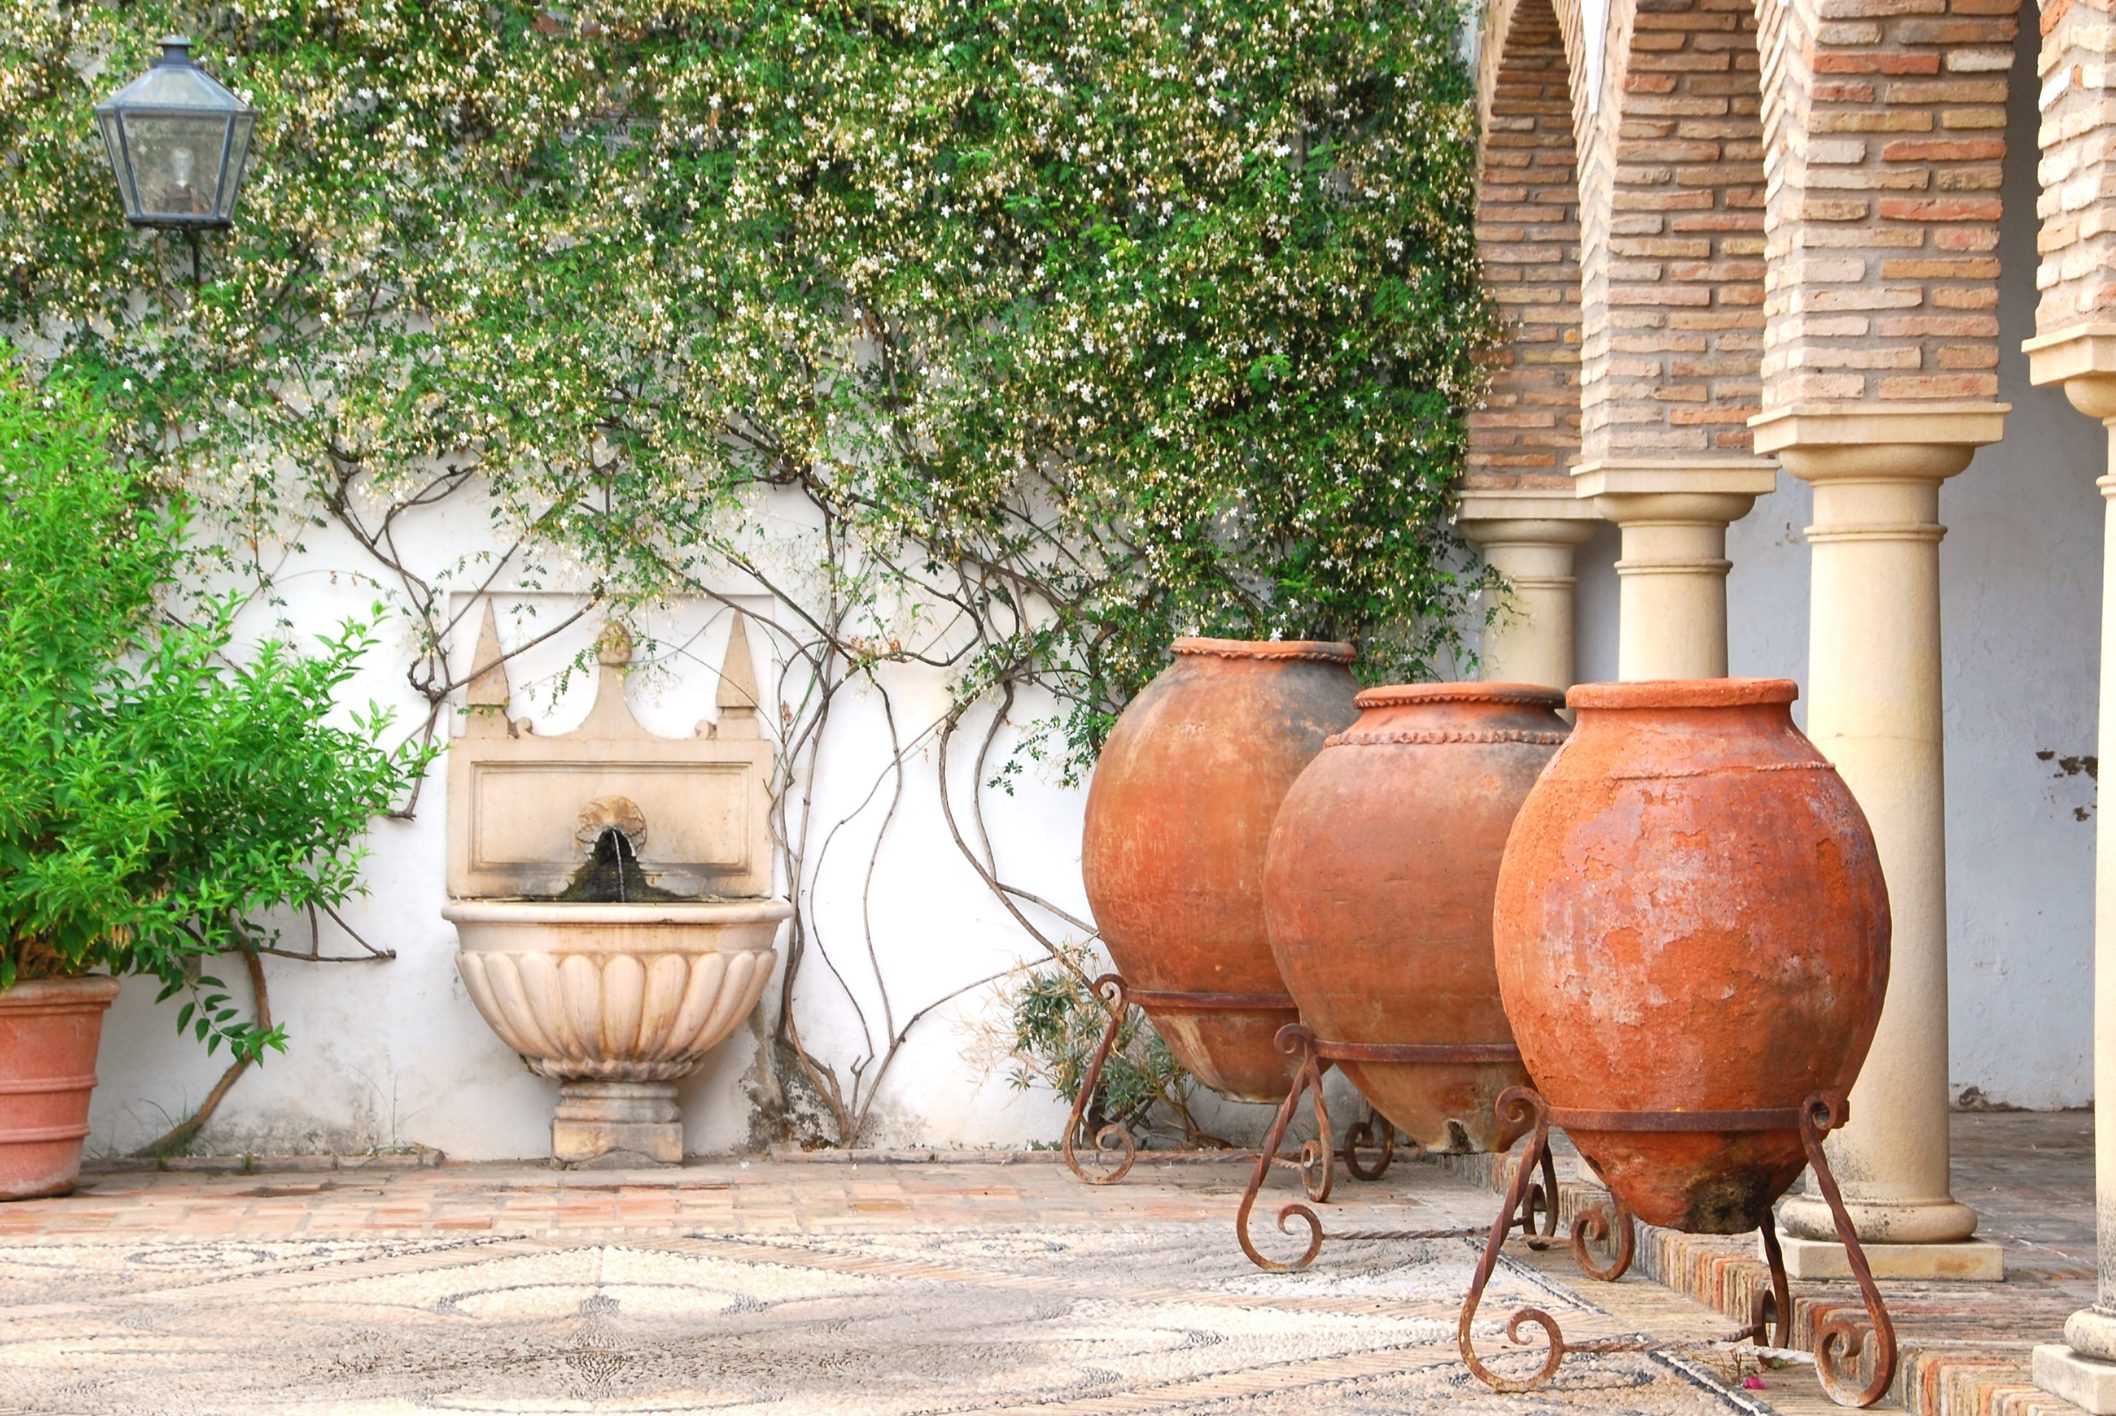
1839, 1340
1114, 1150
1534, 1211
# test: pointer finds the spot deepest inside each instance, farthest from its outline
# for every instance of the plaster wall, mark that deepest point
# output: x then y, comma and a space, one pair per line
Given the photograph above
392, 1053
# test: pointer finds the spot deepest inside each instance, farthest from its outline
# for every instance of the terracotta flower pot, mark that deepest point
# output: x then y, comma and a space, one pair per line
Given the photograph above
49, 1030
1691, 917
1178, 819
1379, 889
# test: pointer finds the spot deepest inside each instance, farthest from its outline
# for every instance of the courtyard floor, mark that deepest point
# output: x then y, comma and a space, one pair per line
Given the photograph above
913, 1285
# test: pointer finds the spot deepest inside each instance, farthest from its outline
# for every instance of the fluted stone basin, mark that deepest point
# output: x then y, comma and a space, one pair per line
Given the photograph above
616, 1001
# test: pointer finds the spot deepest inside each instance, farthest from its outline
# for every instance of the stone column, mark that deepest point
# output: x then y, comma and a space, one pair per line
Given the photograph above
2082, 1368
1528, 535
1672, 577
1873, 708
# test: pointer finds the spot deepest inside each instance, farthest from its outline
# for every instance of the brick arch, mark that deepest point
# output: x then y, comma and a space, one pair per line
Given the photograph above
1886, 125
2076, 274
1528, 430
1673, 235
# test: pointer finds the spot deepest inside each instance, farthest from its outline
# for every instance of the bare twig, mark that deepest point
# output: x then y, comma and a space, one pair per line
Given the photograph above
184, 1132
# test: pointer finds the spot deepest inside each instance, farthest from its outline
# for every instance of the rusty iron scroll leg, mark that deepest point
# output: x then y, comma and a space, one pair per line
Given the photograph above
1515, 1103
1114, 1148
1291, 1038
1839, 1340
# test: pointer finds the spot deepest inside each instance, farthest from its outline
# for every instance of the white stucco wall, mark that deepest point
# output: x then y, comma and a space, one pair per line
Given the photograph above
393, 1053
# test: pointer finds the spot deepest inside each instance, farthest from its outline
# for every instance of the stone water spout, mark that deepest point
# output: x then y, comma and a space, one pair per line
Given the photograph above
610, 889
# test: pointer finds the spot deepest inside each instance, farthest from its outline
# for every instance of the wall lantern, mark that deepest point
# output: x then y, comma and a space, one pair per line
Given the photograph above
177, 140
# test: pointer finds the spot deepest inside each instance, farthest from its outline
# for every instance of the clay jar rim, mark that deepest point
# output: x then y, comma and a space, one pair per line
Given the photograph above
1329, 651
59, 994
1398, 695
1683, 693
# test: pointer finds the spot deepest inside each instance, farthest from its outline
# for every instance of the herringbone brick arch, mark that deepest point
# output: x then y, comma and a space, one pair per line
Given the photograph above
1528, 232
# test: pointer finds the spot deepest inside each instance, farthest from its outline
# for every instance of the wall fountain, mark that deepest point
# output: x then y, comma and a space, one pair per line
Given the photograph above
611, 892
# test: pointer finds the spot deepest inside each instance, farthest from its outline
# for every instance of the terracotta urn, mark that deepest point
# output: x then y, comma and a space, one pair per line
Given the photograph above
49, 1032
1691, 917
1378, 893
1178, 819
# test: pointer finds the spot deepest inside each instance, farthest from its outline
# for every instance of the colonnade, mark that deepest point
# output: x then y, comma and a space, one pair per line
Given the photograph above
2079, 355
1766, 239
1741, 235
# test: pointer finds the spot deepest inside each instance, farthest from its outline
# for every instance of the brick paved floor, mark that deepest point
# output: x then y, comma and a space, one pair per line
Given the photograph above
2029, 1176
856, 1289
1965, 1346
763, 1196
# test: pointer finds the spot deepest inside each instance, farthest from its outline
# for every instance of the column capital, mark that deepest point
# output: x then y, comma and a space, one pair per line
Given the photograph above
1672, 575
1749, 477
1528, 533
1689, 503
1872, 442
1532, 515
2081, 357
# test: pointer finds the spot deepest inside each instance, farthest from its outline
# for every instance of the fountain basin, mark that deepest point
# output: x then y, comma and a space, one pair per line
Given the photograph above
617, 1002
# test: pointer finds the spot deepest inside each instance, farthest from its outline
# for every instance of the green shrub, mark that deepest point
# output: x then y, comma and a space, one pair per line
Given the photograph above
1080, 323
156, 799
1009, 338
1058, 1022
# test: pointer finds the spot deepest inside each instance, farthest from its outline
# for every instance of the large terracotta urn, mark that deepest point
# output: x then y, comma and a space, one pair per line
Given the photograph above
1691, 918
1178, 819
49, 1032
1378, 894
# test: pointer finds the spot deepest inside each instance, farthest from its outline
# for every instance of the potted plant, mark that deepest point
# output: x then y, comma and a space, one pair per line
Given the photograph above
161, 796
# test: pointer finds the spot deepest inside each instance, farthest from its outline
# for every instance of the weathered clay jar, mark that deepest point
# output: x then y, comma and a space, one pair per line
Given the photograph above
1178, 818
49, 1031
1690, 917
1378, 892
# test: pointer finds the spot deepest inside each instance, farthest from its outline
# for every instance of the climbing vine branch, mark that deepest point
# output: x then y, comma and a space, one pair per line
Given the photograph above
986, 344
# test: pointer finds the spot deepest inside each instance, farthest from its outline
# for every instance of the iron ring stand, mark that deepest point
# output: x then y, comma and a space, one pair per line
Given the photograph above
1537, 1202
1114, 1150
1839, 1340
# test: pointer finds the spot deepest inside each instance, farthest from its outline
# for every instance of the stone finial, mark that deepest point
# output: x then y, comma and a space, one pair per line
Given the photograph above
612, 715
488, 691
737, 696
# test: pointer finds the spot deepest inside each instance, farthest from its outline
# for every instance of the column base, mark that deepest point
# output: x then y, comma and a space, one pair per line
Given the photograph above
1805, 1215
1964, 1261
2087, 1382
617, 1124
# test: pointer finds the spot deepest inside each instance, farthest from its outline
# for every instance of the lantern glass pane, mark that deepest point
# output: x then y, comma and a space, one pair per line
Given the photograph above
176, 163
107, 122
178, 85
238, 152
